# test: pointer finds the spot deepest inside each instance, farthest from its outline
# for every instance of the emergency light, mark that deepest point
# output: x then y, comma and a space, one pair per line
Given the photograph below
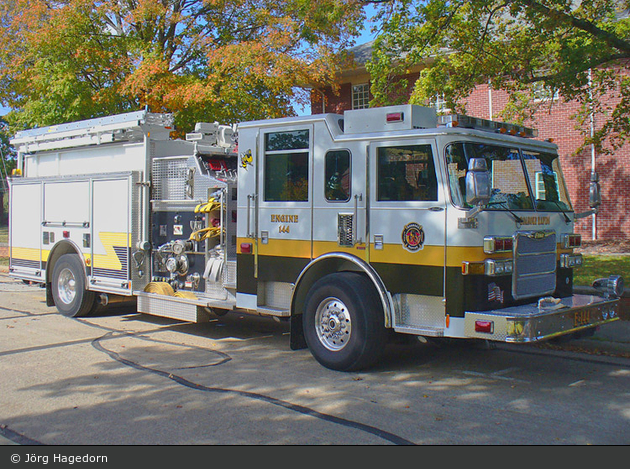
461, 120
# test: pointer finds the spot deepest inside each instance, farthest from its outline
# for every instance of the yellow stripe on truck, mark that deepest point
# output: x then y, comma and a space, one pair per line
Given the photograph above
29, 254
390, 254
110, 259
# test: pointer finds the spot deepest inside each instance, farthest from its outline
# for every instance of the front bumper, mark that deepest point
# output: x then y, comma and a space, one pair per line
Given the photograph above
545, 319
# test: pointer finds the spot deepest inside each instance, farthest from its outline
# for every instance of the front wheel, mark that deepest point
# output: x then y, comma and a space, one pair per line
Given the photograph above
343, 322
71, 297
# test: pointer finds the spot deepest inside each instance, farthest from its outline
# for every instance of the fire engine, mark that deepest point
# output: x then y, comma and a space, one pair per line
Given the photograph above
351, 227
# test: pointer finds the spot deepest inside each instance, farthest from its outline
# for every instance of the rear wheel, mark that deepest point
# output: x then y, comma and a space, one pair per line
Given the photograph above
343, 322
71, 297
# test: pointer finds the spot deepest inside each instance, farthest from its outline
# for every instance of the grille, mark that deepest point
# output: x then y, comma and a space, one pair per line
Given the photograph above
25, 263
345, 227
534, 271
169, 178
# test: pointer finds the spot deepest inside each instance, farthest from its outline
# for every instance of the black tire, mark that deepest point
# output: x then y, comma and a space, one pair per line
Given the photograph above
69, 291
343, 322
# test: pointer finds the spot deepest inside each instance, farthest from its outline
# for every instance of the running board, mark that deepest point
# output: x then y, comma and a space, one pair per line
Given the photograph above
183, 309
271, 311
423, 331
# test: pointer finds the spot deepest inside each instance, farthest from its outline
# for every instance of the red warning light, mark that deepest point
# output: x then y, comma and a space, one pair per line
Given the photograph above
395, 117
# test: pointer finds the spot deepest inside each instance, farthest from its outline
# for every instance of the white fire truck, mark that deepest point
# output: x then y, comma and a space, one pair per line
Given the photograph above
349, 226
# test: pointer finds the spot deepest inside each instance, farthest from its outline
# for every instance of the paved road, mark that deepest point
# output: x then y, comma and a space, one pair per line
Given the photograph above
125, 378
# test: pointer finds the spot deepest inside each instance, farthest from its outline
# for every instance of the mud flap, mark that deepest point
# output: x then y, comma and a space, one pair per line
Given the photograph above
49, 296
298, 342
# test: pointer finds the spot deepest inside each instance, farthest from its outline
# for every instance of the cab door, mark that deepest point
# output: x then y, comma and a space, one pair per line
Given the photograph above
283, 206
407, 220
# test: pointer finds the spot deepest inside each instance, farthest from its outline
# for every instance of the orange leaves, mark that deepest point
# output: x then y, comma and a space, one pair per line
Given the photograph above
201, 59
154, 85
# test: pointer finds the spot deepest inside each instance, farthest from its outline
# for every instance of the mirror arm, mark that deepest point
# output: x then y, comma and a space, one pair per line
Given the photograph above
588, 213
475, 211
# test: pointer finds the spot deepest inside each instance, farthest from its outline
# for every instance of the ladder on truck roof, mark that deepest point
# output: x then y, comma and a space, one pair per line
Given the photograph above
95, 131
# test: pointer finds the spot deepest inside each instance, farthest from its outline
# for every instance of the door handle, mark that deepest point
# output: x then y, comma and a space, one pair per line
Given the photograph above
250, 198
356, 239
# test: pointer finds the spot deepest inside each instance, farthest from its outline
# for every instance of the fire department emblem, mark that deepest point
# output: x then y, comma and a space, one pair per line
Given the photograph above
413, 237
246, 159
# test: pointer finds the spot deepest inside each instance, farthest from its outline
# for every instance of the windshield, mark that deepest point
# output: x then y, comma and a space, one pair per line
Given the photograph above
543, 171
512, 186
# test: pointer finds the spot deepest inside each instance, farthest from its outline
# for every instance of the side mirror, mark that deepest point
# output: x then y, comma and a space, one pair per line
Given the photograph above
594, 194
478, 186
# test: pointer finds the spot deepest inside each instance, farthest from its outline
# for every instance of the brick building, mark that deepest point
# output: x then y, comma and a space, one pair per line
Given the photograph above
613, 220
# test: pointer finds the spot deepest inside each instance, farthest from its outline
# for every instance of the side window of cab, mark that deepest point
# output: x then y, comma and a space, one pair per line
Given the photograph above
286, 166
406, 173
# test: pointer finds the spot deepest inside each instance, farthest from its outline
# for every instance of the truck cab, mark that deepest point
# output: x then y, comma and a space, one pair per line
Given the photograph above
462, 227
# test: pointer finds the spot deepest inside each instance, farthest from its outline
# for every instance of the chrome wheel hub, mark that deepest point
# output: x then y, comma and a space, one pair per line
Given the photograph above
333, 324
66, 286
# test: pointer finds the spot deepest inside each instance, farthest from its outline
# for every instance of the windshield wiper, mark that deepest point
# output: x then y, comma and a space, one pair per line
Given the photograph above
516, 217
566, 218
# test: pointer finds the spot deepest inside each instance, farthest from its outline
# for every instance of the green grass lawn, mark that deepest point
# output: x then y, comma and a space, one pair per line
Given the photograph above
4, 238
595, 267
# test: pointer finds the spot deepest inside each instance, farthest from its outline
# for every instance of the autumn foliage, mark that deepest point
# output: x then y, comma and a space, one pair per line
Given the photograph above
225, 60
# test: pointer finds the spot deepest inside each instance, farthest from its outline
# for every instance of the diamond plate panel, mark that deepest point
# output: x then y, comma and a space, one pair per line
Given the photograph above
419, 311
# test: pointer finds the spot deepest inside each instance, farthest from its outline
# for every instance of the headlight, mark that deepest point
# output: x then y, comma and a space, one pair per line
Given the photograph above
570, 260
498, 267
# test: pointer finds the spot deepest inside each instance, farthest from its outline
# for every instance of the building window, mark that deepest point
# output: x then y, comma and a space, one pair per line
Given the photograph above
361, 96
544, 93
439, 103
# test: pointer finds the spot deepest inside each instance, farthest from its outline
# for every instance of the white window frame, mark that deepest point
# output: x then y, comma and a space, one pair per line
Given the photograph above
361, 96
542, 93
439, 104
540, 182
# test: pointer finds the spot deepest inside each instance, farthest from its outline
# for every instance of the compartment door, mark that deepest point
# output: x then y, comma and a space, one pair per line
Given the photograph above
25, 235
110, 246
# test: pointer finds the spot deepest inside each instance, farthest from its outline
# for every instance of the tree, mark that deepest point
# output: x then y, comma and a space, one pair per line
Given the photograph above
7, 153
579, 50
224, 60
7, 163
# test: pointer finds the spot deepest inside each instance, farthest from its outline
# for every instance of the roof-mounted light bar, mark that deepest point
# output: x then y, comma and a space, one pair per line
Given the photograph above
461, 120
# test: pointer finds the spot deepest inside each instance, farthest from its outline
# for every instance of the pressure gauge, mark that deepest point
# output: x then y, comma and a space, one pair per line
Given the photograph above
179, 247
171, 265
